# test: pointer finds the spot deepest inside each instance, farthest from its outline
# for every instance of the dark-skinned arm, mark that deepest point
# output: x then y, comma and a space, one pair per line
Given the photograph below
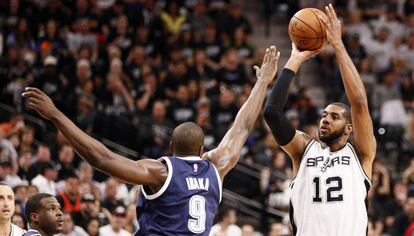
364, 140
152, 173
227, 154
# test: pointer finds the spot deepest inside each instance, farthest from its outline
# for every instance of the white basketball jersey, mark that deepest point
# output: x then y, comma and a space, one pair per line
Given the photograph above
329, 193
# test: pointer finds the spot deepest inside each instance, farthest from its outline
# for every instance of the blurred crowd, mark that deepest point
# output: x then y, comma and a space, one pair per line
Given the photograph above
131, 70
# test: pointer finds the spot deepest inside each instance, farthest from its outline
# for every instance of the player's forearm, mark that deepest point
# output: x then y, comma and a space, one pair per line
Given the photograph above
248, 113
353, 84
87, 147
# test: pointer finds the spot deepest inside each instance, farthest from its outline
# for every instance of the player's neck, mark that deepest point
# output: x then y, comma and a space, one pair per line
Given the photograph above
43, 233
336, 145
5, 227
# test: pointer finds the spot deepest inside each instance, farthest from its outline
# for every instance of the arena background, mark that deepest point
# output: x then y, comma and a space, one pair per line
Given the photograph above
128, 71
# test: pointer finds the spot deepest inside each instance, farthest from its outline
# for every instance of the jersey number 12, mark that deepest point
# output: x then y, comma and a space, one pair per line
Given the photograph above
335, 185
197, 210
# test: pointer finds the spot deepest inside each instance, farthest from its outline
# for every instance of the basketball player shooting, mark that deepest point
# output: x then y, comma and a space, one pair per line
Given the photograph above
181, 192
332, 176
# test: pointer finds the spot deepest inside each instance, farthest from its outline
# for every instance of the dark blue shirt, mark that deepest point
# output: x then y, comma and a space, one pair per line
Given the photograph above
186, 204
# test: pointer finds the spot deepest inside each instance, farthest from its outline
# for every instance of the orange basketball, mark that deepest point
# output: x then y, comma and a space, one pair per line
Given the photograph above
306, 30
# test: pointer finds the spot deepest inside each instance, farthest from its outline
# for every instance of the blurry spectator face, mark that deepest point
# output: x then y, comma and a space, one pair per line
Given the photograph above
27, 137
113, 52
85, 172
51, 174
83, 70
182, 94
72, 186
14, 6
400, 192
138, 55
355, 16
111, 188
93, 227
43, 153
122, 24
118, 218
20, 193
226, 97
89, 207
180, 69
409, 207
279, 160
25, 160
83, 25
18, 220
276, 229
116, 67
66, 154
192, 88
210, 32
200, 57
231, 217
14, 139
200, 8
383, 34
247, 230
239, 35
6, 203
158, 111
82, 5
32, 190
142, 33
67, 223
172, 8
22, 26
51, 28
235, 11
390, 78
84, 188
232, 59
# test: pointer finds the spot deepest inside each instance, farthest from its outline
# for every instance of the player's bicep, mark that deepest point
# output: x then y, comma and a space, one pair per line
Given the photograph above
144, 172
296, 147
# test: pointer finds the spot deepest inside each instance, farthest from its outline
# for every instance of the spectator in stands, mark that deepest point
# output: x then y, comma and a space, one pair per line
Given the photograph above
386, 91
224, 111
232, 73
93, 227
278, 229
404, 218
131, 222
181, 110
171, 18
26, 138
121, 36
69, 198
66, 155
148, 93
381, 49
247, 230
110, 200
69, 229
42, 156
117, 223
45, 180
88, 211
154, 133
226, 224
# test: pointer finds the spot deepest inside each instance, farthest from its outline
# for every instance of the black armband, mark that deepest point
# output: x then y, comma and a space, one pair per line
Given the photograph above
281, 128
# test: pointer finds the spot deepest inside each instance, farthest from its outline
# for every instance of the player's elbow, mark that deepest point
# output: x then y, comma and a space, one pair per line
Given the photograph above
359, 103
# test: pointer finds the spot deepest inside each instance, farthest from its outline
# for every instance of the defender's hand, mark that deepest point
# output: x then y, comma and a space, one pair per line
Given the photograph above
268, 69
40, 102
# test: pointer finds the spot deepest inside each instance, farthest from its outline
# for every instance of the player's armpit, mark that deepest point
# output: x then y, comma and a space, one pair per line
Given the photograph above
296, 148
152, 173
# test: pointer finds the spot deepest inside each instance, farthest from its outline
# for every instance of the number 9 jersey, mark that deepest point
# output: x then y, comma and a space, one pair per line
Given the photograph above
329, 193
187, 202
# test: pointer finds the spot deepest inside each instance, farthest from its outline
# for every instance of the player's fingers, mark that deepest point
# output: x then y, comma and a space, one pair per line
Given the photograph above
276, 58
34, 101
32, 94
257, 69
272, 52
328, 13
266, 55
323, 20
332, 10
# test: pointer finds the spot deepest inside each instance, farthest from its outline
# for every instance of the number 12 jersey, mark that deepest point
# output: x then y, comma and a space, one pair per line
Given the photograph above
329, 193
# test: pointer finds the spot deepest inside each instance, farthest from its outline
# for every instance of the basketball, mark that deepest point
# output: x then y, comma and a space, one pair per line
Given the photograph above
306, 30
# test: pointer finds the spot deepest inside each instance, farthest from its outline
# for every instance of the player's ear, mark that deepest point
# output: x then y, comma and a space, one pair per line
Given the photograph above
171, 148
348, 129
34, 217
200, 153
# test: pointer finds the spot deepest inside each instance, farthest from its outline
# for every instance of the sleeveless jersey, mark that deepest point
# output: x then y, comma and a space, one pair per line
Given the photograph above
329, 193
187, 202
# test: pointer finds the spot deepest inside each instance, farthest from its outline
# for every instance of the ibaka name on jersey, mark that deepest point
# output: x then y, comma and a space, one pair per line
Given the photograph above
327, 161
197, 183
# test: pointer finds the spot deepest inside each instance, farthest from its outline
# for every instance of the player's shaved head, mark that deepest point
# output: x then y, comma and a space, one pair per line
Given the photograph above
187, 139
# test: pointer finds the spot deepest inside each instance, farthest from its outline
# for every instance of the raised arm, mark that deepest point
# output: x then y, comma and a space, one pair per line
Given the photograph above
292, 141
364, 140
146, 172
227, 154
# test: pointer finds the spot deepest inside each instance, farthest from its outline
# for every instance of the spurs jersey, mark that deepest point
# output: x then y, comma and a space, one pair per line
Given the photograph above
329, 193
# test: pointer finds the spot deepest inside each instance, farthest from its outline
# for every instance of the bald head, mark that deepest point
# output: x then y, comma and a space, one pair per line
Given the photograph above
187, 139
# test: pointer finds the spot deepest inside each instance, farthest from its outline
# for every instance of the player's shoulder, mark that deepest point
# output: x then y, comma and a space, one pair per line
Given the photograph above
16, 230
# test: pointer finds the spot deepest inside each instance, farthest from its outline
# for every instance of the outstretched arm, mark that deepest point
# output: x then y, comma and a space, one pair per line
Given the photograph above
364, 140
292, 141
226, 155
146, 172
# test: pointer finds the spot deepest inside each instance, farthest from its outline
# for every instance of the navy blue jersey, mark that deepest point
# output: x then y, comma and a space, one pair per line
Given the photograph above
187, 202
